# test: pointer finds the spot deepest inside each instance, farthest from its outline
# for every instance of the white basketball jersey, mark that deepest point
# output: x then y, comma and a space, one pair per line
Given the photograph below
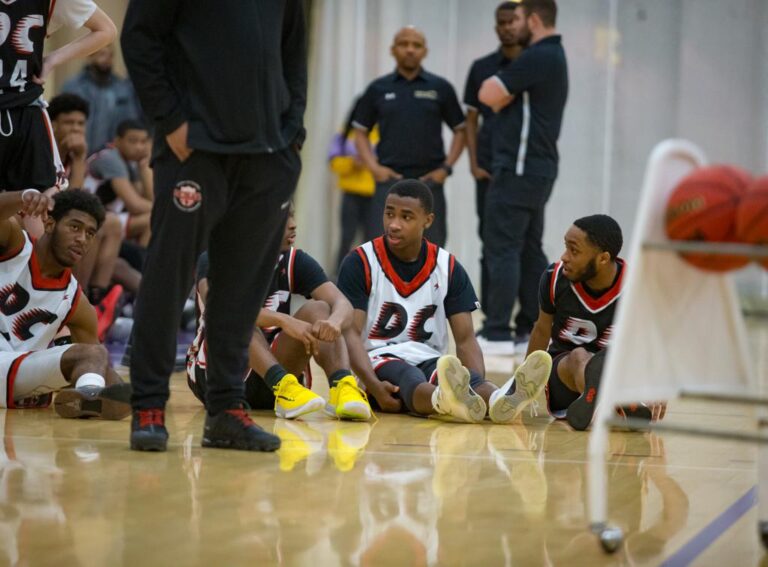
406, 319
32, 307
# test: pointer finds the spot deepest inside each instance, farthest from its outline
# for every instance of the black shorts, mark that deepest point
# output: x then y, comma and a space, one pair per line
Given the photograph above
559, 396
26, 149
408, 377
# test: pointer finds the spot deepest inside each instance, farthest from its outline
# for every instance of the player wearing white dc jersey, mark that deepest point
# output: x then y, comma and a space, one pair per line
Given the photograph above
38, 297
406, 291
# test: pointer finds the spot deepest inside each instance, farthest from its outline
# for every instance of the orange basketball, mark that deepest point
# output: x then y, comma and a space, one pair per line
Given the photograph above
703, 208
752, 215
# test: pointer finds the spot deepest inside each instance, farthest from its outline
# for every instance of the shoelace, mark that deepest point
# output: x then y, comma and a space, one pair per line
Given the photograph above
241, 415
362, 392
150, 417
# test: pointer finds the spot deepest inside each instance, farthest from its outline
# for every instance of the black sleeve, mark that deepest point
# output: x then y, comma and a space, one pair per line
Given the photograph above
545, 299
451, 110
461, 296
365, 115
471, 88
352, 282
294, 48
307, 274
202, 267
146, 32
523, 72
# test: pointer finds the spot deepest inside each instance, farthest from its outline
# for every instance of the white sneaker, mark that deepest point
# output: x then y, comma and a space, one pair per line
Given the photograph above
530, 378
454, 396
496, 348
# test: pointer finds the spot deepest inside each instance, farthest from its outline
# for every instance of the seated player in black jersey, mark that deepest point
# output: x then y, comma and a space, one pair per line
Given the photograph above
282, 343
38, 296
577, 298
406, 292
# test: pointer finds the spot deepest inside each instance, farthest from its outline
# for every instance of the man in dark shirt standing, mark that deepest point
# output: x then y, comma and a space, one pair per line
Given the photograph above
410, 106
227, 133
529, 96
479, 133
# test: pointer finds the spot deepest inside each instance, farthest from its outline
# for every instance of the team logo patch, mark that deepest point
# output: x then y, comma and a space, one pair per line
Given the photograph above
187, 196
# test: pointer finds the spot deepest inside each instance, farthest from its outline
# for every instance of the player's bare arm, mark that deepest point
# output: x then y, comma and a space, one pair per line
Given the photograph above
542, 331
134, 201
361, 365
30, 202
341, 312
467, 349
102, 33
291, 326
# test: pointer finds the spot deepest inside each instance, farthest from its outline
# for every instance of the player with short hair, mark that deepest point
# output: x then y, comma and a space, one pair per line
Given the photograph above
28, 158
578, 297
406, 292
39, 296
283, 344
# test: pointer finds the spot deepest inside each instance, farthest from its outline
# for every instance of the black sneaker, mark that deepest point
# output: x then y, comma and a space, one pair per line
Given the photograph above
234, 429
148, 432
110, 402
581, 411
635, 411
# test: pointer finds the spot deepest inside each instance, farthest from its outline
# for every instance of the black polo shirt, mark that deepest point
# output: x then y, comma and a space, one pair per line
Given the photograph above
410, 115
526, 131
481, 69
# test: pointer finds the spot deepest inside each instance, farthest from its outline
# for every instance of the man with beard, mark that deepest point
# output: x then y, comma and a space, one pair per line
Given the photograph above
479, 133
111, 98
578, 297
39, 296
410, 106
529, 96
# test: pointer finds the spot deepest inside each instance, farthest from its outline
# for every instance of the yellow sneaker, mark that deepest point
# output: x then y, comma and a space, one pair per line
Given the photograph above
347, 401
346, 444
292, 399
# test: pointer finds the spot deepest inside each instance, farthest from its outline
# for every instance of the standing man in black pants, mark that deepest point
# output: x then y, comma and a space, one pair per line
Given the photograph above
479, 133
225, 83
529, 96
410, 106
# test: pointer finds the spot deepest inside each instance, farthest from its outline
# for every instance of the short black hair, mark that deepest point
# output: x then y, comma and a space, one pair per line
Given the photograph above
78, 200
130, 124
67, 102
508, 5
602, 231
545, 9
416, 189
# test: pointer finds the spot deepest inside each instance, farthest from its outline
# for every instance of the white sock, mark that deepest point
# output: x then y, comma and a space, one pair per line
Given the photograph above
90, 379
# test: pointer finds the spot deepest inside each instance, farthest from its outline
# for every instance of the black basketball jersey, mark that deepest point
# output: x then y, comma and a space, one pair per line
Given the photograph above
580, 318
23, 27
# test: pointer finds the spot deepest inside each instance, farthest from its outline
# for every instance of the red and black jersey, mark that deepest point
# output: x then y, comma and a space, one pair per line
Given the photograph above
581, 317
23, 27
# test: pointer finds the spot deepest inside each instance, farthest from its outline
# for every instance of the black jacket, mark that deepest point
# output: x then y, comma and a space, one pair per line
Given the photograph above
235, 70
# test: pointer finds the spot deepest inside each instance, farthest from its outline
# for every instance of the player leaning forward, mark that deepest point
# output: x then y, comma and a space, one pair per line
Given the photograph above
38, 296
406, 292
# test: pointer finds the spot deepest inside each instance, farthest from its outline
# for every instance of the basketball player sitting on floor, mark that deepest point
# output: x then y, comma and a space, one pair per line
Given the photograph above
577, 298
283, 344
406, 291
38, 296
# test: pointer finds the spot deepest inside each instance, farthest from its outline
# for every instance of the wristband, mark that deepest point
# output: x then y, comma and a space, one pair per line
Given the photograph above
23, 193
447, 169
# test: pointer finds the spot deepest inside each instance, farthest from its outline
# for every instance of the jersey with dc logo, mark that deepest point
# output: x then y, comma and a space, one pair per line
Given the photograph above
581, 318
23, 27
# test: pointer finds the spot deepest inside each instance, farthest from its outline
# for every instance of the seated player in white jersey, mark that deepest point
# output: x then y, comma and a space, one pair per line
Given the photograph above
39, 296
283, 344
406, 292
577, 299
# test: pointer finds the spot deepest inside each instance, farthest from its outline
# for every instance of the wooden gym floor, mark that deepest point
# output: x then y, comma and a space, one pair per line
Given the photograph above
400, 491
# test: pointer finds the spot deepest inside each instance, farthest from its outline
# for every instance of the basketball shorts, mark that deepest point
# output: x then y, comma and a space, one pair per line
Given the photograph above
408, 377
30, 374
29, 158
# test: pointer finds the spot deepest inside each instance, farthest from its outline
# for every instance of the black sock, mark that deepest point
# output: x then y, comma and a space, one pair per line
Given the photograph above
338, 375
274, 375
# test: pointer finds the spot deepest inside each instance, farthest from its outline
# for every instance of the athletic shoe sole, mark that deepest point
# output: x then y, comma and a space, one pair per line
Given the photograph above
112, 403
149, 441
453, 381
265, 443
311, 406
580, 413
530, 377
355, 411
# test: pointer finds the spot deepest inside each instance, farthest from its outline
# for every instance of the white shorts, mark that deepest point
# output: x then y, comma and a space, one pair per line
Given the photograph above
27, 374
